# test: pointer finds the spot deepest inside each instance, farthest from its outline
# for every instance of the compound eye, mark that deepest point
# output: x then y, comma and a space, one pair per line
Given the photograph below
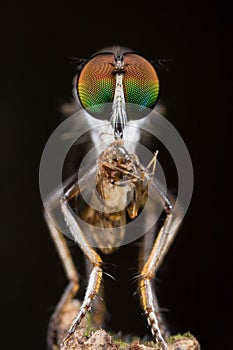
141, 82
96, 84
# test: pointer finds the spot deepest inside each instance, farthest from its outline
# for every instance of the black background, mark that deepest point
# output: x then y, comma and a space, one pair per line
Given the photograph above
36, 78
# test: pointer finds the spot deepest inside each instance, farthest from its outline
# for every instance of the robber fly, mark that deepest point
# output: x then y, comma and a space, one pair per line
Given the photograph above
120, 78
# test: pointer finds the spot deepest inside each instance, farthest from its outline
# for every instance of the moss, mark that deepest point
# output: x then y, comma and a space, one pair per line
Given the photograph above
188, 335
179, 336
125, 345
89, 329
121, 344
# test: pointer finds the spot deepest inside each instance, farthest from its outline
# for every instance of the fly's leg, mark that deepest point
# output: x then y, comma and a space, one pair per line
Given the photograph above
148, 273
161, 323
153, 163
96, 273
71, 274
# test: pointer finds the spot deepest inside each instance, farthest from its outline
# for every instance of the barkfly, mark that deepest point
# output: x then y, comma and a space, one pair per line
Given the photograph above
120, 78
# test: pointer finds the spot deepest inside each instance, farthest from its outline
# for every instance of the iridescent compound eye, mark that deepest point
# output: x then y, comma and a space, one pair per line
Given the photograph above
141, 83
97, 83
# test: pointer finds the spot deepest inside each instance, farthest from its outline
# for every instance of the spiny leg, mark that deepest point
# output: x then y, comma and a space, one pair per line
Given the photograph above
161, 322
159, 250
71, 274
96, 273
148, 242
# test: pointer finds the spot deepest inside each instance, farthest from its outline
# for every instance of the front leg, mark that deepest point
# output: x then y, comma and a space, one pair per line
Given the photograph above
155, 259
91, 292
72, 276
96, 275
95, 278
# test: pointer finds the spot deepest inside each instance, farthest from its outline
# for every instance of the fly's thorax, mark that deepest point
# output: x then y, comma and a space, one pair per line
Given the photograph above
115, 205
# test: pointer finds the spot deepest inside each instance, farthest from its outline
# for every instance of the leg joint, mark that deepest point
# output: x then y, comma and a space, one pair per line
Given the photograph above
168, 208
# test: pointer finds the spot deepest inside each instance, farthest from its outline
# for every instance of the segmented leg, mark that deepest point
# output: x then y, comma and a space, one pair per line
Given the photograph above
71, 275
161, 322
161, 245
96, 273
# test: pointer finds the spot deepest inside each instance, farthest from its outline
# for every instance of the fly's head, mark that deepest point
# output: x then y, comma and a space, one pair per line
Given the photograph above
96, 83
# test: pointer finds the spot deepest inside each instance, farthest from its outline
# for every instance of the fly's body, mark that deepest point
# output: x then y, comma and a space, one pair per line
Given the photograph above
130, 83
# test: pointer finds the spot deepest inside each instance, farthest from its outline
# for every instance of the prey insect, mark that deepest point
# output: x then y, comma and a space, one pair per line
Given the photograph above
122, 78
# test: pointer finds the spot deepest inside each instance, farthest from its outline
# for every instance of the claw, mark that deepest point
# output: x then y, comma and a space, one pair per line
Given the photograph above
64, 341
